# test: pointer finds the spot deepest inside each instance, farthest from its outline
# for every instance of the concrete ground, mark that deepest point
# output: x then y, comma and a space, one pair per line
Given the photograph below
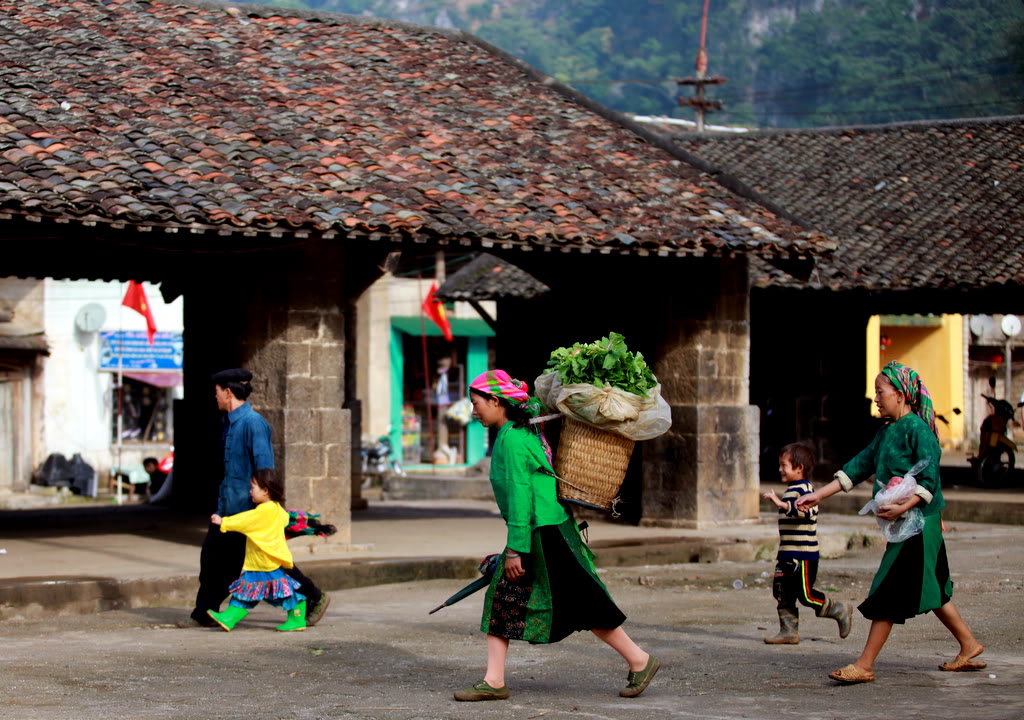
378, 654
105, 557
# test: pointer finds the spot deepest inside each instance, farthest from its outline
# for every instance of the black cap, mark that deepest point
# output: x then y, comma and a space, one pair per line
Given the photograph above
234, 375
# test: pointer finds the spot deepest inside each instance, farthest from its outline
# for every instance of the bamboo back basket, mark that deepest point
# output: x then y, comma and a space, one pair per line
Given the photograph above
591, 465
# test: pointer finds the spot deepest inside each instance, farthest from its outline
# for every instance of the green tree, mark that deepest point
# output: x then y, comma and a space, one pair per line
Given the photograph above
845, 62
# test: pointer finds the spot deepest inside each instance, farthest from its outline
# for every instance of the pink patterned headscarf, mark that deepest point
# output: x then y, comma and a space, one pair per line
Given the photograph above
517, 393
500, 384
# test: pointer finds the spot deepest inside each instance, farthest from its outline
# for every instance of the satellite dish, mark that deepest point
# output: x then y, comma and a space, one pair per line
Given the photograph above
90, 318
980, 324
1010, 325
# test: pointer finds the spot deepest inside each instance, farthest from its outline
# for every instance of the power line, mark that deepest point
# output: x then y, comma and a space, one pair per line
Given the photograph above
918, 74
1001, 67
882, 111
863, 90
941, 70
894, 83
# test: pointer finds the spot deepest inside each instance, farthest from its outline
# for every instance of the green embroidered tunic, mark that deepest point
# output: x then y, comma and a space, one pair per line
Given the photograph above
525, 492
892, 452
528, 501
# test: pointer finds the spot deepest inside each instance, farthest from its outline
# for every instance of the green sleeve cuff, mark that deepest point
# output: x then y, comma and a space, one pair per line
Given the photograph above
518, 538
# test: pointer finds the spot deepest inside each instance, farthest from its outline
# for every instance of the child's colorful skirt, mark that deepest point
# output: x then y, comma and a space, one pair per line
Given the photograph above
273, 587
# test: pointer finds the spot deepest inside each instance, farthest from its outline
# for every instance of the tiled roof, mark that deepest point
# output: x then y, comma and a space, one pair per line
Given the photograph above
487, 277
29, 343
231, 121
919, 205
15, 335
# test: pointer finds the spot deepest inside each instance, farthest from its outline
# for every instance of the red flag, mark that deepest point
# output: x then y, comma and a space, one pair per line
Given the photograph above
434, 309
135, 299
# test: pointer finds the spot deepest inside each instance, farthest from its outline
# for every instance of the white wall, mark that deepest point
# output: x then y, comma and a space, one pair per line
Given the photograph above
373, 362
78, 412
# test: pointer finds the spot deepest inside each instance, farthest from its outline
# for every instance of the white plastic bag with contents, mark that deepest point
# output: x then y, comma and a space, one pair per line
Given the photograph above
637, 417
897, 491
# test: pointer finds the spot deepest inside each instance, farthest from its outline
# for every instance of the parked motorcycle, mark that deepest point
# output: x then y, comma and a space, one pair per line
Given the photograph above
997, 452
378, 459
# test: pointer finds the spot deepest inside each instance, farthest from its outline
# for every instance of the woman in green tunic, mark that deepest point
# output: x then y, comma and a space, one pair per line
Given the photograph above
545, 586
913, 577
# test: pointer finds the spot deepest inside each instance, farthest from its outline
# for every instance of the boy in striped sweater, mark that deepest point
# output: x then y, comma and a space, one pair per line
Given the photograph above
796, 565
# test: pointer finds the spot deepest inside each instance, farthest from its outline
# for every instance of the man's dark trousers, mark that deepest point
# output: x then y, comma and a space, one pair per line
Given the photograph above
220, 564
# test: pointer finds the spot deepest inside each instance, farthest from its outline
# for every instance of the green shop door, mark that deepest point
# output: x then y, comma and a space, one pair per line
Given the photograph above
429, 378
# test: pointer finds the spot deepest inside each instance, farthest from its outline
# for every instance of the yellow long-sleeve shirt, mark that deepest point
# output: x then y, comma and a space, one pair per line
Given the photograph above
263, 527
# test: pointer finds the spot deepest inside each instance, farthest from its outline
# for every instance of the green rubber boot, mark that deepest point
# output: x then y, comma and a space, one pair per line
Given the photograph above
296, 619
229, 618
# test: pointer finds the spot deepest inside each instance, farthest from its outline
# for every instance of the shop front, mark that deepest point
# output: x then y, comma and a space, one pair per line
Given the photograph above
431, 419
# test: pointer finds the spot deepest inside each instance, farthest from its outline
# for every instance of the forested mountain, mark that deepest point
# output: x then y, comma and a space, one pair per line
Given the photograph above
789, 63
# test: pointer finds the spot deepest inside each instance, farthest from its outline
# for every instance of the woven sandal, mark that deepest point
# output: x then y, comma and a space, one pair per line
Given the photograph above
962, 664
851, 675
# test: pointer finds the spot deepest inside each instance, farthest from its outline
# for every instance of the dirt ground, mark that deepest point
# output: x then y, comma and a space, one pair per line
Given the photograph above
379, 655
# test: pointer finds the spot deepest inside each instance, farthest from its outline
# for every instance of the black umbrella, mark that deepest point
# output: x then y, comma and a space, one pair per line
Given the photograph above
487, 570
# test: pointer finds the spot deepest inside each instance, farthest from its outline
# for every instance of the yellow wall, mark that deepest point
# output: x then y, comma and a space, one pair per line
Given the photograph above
937, 353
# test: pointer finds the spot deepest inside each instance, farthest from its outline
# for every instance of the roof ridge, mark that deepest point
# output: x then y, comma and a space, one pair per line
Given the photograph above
840, 129
262, 10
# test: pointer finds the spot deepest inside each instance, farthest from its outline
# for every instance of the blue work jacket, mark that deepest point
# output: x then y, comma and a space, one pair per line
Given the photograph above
247, 449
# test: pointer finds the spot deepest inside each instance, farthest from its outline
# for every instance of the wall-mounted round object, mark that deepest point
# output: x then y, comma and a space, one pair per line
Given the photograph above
90, 318
980, 324
1010, 325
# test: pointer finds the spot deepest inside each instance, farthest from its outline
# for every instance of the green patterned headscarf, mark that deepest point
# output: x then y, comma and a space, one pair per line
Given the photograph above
908, 382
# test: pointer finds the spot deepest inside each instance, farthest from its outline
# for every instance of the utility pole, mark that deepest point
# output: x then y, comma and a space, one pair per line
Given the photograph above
441, 439
698, 101
1011, 326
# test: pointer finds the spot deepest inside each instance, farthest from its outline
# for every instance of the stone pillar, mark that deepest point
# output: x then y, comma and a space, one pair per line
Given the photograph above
302, 363
704, 471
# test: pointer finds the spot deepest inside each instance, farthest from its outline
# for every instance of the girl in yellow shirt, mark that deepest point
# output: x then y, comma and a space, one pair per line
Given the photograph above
266, 553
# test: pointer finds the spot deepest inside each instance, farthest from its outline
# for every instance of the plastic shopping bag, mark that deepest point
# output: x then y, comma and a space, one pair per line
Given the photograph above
898, 490
636, 417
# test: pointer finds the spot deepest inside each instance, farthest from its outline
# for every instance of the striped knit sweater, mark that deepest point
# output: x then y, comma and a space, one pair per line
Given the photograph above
798, 531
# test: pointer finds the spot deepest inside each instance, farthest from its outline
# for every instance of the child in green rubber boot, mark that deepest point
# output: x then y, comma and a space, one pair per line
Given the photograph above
266, 553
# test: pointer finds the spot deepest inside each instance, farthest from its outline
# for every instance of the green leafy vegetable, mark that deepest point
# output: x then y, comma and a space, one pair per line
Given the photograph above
605, 361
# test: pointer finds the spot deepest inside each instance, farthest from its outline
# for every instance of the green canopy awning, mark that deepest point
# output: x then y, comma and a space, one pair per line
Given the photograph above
461, 327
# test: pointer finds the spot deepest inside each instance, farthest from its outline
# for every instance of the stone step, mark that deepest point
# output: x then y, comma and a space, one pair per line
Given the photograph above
436, 487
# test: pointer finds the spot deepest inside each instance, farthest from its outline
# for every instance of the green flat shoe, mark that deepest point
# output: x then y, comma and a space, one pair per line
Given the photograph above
482, 691
637, 681
316, 612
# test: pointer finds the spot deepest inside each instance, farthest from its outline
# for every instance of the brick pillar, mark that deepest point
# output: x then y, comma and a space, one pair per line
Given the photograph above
704, 471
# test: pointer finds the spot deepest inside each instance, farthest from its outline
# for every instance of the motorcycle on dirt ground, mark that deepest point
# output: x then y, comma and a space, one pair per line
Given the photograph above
378, 460
997, 452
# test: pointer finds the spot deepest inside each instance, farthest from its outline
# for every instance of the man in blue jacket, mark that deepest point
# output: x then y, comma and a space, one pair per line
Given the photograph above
247, 450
